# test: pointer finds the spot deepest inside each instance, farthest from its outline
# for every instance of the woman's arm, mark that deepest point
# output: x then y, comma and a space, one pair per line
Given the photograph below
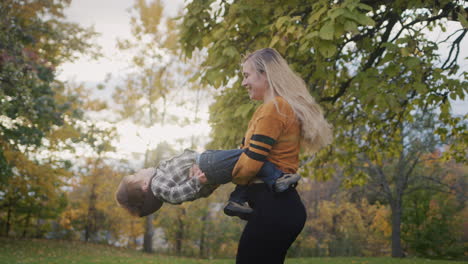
267, 130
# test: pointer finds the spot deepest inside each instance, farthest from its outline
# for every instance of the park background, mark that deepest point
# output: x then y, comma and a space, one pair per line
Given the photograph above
92, 91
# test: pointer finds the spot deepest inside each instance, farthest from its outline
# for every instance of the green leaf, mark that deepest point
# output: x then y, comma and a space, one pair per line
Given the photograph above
327, 31
217, 33
316, 15
279, 23
351, 26
364, 6
365, 20
327, 48
334, 13
392, 70
359, 17
243, 110
420, 87
411, 62
231, 52
304, 47
312, 34
404, 52
389, 56
453, 96
462, 19
274, 41
339, 30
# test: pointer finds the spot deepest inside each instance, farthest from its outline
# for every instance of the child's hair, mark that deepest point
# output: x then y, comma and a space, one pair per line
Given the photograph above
130, 195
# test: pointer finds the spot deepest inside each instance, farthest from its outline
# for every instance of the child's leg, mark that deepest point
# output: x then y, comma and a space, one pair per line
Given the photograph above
269, 174
239, 195
275, 179
237, 204
218, 164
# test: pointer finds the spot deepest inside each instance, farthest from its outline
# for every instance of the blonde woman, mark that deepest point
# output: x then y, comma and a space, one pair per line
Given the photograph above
288, 119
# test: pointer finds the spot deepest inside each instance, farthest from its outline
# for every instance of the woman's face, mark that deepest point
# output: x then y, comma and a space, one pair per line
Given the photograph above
256, 83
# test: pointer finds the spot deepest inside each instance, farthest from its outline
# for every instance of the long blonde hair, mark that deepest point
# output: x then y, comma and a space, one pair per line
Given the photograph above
316, 132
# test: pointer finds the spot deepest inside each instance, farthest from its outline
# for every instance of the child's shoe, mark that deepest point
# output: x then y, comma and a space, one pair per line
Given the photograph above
242, 210
285, 181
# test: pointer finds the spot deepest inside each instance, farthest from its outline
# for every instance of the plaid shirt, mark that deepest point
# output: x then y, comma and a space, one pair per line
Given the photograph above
171, 182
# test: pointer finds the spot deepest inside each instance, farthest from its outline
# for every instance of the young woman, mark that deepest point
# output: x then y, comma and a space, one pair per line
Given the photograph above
288, 119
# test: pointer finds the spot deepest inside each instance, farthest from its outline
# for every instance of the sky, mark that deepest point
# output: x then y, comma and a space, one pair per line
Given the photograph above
111, 19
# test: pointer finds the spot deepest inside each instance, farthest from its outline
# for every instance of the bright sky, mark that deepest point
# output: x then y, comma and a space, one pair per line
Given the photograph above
111, 19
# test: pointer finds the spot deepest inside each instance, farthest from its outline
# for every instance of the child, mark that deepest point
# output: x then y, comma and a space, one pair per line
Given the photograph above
190, 176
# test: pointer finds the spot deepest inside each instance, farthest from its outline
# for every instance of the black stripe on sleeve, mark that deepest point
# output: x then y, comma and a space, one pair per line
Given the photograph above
255, 156
259, 147
264, 139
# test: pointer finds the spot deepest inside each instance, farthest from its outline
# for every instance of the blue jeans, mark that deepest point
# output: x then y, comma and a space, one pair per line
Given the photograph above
218, 165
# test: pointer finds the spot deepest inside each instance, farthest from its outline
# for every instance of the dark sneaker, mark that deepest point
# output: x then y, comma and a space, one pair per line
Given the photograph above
284, 182
242, 210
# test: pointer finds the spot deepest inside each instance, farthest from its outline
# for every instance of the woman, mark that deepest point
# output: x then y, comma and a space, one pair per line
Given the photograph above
288, 119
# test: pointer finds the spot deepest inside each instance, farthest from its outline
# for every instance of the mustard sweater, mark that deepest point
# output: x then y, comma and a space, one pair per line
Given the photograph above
271, 135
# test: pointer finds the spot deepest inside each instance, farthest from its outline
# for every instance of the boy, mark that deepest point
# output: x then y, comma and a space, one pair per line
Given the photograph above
190, 176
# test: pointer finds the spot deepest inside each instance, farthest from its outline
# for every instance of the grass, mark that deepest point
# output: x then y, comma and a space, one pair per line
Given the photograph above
41, 251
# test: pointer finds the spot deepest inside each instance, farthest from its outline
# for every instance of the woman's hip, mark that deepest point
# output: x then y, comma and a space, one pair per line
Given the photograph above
276, 221
276, 205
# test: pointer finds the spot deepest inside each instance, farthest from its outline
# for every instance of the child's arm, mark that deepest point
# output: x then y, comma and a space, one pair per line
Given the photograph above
174, 193
196, 172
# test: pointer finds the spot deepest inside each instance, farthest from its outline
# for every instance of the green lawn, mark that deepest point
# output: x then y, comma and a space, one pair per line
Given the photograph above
69, 252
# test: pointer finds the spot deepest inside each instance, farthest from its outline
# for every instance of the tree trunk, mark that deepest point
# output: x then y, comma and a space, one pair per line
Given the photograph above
149, 228
149, 232
203, 235
26, 224
89, 228
397, 251
180, 232
133, 239
7, 227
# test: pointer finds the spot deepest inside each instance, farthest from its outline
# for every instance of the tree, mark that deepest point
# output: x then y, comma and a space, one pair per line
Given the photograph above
433, 220
93, 179
37, 116
370, 64
91, 213
150, 82
157, 80
35, 40
200, 228
396, 172
32, 192
340, 223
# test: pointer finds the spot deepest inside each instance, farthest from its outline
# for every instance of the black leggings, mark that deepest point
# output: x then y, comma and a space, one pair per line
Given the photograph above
277, 220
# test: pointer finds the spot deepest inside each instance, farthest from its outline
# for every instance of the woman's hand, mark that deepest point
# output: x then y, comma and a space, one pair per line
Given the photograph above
196, 172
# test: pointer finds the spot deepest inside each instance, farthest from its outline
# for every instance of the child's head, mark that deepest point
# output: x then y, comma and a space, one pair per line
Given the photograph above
135, 195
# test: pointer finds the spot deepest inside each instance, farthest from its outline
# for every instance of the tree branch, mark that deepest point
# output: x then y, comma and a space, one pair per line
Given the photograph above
381, 180
393, 18
445, 13
408, 173
455, 44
